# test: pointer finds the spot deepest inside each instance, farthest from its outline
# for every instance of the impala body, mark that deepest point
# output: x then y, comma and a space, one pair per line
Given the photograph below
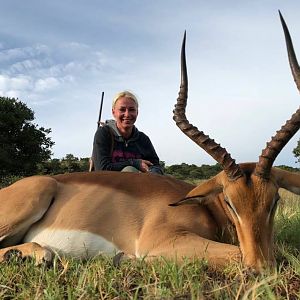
82, 214
147, 215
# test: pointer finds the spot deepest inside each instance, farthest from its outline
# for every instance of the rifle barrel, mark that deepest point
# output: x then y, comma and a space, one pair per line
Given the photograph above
100, 111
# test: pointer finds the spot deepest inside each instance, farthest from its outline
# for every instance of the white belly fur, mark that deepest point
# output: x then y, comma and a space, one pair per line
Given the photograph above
79, 244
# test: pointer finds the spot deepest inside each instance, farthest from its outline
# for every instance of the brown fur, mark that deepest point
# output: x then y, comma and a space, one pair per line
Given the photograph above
132, 210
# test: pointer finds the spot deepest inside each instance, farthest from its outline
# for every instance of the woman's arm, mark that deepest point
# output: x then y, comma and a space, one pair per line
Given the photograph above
151, 155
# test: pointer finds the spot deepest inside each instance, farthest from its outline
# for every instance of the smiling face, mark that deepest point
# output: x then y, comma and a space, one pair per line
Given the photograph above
125, 112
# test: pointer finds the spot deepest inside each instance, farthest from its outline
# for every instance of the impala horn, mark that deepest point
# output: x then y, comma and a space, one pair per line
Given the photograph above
287, 131
220, 154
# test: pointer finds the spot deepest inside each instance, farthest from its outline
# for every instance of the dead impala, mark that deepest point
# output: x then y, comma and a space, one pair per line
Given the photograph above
84, 214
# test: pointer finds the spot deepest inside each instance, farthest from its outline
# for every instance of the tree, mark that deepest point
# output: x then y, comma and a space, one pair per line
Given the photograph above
296, 152
192, 172
70, 164
50, 167
22, 144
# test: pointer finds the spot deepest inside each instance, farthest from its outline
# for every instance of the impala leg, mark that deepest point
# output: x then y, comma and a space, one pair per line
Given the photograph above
189, 245
22, 204
33, 250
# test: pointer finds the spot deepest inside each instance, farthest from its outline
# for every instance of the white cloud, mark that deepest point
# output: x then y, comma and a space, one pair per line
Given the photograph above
42, 85
240, 86
36, 73
20, 82
22, 53
25, 66
45, 61
12, 94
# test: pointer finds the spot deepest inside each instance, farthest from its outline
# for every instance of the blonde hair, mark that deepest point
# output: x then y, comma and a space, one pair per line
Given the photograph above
126, 94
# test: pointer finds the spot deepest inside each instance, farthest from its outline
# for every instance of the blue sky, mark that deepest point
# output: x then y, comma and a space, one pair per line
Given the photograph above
58, 56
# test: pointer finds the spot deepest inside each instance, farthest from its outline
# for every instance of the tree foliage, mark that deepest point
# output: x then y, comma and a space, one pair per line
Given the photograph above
183, 171
296, 151
68, 164
23, 145
192, 172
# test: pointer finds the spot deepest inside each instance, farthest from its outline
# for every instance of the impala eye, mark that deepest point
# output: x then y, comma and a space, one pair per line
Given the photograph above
228, 203
275, 201
273, 208
232, 209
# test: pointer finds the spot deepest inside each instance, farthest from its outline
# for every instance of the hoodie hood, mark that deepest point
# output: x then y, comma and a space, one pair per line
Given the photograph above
112, 124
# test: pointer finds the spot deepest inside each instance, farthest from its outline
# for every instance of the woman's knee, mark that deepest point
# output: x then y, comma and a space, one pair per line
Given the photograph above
130, 169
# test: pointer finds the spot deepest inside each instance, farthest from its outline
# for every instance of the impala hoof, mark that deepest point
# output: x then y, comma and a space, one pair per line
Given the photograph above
48, 256
12, 254
45, 257
117, 259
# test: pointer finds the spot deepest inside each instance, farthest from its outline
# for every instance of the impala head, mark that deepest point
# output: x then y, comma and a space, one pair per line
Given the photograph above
248, 192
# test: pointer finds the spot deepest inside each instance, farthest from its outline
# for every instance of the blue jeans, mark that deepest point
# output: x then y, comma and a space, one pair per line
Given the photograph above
130, 169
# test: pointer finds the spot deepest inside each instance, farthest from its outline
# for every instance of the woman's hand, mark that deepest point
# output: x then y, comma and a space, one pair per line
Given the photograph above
144, 166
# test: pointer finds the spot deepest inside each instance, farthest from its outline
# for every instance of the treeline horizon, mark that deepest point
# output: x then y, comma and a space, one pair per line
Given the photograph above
26, 149
71, 164
184, 171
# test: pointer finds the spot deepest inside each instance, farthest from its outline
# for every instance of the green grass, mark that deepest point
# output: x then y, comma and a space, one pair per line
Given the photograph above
135, 279
288, 219
99, 279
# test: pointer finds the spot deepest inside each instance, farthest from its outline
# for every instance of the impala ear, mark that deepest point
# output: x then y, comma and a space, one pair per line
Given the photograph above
202, 193
193, 200
287, 180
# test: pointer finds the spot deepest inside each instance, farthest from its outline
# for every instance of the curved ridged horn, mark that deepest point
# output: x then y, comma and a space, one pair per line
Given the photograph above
282, 137
220, 154
291, 53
